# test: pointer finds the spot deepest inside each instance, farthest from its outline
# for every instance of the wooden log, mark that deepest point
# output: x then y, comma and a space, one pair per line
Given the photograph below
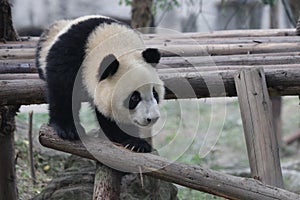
226, 49
226, 34
203, 84
18, 76
235, 35
8, 181
22, 92
17, 44
238, 40
230, 68
283, 58
185, 50
107, 183
254, 59
192, 176
17, 54
9, 65
256, 112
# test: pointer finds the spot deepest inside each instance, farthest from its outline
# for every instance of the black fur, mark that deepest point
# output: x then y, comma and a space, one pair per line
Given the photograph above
116, 134
63, 63
151, 55
155, 95
108, 67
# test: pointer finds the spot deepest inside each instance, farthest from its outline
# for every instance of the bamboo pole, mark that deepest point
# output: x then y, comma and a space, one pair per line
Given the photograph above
192, 176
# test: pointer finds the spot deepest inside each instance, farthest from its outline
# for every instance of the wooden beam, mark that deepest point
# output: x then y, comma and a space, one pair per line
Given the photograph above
185, 49
192, 176
256, 112
221, 83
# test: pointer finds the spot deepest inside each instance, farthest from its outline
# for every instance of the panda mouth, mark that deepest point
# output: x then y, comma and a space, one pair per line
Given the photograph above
140, 124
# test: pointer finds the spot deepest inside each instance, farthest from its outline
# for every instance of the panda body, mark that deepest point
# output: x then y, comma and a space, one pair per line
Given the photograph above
107, 61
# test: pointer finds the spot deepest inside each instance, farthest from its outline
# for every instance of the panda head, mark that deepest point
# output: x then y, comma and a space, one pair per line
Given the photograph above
129, 89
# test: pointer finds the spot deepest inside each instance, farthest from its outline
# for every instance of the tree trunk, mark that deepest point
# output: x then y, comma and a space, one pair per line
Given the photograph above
107, 183
141, 15
295, 7
276, 100
7, 31
8, 184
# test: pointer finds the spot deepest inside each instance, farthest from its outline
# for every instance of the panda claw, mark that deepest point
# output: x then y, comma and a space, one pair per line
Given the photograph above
137, 145
132, 148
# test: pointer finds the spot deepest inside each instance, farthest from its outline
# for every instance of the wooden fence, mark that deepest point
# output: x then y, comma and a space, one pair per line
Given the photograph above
223, 63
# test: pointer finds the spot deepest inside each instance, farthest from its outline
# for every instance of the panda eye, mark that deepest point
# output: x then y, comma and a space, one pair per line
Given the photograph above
134, 100
135, 97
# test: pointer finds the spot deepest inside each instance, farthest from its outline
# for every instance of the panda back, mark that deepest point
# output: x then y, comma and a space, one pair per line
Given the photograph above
62, 46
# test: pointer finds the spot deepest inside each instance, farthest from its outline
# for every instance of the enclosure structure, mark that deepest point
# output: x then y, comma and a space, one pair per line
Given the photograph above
270, 57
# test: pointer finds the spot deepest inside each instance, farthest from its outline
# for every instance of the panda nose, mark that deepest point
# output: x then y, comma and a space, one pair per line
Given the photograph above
153, 120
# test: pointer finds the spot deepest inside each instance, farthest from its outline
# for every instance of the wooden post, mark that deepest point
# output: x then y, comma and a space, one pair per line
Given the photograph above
8, 183
256, 112
107, 183
30, 148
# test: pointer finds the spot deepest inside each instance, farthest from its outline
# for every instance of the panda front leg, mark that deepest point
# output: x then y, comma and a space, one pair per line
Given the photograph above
123, 134
64, 116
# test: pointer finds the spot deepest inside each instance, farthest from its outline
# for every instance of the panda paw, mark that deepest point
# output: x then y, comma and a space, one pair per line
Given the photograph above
137, 145
68, 132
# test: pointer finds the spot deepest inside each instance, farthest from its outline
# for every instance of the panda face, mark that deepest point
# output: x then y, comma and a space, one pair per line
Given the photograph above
128, 88
143, 106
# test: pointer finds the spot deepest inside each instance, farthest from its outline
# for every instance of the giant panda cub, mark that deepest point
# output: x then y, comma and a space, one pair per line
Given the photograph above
105, 60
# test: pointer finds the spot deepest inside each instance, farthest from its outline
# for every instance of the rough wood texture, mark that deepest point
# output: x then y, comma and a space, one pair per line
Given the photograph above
141, 14
280, 81
256, 112
192, 176
18, 76
7, 31
8, 182
107, 183
22, 92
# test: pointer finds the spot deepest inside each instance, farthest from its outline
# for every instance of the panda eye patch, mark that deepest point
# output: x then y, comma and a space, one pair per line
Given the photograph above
135, 98
155, 94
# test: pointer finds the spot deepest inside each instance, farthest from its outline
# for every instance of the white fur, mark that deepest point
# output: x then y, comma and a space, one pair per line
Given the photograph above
146, 109
133, 73
50, 37
46, 41
109, 95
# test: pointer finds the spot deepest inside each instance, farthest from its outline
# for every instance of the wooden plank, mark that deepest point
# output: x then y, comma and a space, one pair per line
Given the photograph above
256, 112
192, 176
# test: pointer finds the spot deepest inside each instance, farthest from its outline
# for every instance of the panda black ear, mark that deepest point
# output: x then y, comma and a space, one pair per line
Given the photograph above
108, 67
151, 55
